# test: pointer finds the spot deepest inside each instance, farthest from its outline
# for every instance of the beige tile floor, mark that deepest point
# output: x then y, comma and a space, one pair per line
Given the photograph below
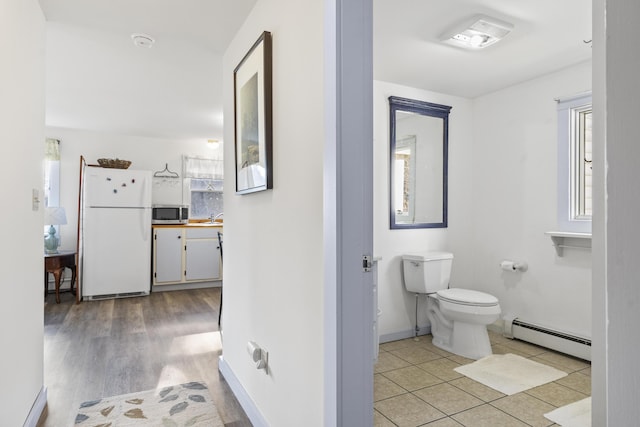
415, 385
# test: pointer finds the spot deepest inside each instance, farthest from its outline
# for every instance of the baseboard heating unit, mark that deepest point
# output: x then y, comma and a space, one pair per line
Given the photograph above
549, 338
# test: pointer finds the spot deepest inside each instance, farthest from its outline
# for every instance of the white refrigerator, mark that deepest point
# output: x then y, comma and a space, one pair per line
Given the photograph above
115, 245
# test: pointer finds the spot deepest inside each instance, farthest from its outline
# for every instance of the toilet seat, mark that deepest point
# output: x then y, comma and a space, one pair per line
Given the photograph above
467, 297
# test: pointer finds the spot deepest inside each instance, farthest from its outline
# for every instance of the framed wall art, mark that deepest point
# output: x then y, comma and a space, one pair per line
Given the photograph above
253, 117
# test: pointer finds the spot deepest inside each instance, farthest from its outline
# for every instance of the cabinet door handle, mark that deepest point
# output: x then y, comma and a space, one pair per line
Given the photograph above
179, 237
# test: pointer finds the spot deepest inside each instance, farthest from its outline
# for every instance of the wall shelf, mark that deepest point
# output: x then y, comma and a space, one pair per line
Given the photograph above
569, 240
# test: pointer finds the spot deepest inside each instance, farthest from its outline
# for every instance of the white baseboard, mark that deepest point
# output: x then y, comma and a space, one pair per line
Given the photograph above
36, 410
395, 336
185, 286
241, 394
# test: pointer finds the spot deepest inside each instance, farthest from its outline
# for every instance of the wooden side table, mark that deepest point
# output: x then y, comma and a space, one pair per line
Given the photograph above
55, 264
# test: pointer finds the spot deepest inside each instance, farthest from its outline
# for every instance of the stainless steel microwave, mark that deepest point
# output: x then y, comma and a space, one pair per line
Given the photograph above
169, 214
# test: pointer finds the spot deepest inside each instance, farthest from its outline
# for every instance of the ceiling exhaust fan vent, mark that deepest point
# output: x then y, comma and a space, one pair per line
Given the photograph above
477, 33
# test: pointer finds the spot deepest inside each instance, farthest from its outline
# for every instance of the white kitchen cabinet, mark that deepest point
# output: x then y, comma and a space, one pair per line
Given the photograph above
167, 260
202, 254
187, 254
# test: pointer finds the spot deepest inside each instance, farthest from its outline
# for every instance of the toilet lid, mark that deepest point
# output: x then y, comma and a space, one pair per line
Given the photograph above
467, 297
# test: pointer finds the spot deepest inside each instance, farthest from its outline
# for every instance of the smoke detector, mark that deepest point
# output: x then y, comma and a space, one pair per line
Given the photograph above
142, 40
477, 33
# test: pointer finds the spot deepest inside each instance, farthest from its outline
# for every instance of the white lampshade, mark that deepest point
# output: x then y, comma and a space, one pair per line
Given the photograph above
55, 216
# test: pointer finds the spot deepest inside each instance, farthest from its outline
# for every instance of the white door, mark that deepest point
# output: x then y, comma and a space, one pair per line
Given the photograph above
168, 251
117, 251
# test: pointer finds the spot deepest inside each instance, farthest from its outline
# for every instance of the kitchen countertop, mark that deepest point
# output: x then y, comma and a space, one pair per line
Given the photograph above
190, 225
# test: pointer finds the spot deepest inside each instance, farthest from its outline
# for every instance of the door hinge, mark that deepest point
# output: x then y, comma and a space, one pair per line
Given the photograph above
367, 263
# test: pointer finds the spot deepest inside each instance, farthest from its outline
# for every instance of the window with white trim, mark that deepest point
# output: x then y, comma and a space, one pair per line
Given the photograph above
575, 163
204, 180
582, 158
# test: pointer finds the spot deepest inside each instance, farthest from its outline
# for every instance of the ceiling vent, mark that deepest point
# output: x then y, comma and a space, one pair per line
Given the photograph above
477, 33
142, 40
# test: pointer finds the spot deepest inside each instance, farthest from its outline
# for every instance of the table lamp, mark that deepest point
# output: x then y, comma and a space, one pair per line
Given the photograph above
53, 216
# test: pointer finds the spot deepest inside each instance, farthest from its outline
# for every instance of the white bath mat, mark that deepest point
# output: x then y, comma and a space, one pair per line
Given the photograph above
509, 373
576, 414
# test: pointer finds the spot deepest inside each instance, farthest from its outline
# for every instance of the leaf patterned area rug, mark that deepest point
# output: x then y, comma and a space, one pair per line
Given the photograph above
175, 406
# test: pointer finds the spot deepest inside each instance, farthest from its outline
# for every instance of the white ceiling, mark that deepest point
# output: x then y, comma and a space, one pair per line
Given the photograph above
548, 35
97, 79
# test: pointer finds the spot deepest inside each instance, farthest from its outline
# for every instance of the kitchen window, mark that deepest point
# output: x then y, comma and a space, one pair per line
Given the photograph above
206, 197
51, 175
575, 163
51, 172
204, 180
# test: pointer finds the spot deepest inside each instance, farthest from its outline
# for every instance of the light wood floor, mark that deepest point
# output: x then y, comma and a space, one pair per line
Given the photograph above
105, 348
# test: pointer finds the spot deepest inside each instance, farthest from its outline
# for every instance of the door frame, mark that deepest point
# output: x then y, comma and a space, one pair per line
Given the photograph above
348, 213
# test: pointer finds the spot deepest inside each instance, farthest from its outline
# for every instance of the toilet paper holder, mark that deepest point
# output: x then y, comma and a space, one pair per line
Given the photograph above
508, 265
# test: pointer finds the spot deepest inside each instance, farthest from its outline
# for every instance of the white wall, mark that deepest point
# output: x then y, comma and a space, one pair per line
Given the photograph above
515, 203
273, 271
397, 306
99, 80
144, 153
502, 199
21, 154
621, 204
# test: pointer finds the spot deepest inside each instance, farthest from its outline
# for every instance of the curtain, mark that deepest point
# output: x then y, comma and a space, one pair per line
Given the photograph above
52, 149
51, 175
197, 167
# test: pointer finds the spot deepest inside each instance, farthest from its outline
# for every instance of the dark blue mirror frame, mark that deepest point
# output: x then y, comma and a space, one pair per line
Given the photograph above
426, 109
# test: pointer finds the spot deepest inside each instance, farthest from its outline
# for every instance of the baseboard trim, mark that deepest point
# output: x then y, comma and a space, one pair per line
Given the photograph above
185, 286
37, 409
241, 394
395, 336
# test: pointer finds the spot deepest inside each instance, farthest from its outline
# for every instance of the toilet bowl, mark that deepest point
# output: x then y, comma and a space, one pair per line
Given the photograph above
459, 323
458, 317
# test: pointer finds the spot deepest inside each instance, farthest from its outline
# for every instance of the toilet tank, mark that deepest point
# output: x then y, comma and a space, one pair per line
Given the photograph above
427, 272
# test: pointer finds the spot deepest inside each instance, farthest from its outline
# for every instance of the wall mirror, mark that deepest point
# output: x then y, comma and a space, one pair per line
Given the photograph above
418, 163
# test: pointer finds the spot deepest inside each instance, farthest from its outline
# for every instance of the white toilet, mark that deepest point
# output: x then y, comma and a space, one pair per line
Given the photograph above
458, 317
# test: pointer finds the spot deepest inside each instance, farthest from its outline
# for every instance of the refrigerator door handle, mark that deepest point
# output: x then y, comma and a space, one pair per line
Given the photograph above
145, 221
146, 217
143, 193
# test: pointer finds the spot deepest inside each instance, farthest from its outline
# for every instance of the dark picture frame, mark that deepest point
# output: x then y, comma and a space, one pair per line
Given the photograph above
252, 115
